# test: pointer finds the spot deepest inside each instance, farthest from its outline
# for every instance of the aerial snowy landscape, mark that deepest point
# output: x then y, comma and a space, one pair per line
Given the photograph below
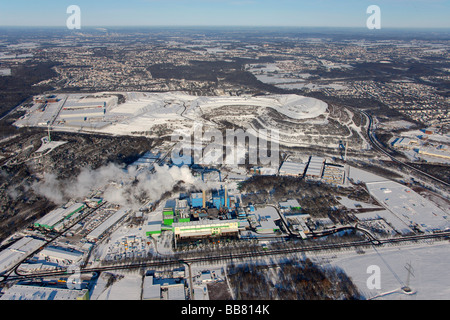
227, 158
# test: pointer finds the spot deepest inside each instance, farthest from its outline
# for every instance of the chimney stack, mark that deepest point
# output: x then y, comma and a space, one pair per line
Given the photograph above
204, 199
226, 196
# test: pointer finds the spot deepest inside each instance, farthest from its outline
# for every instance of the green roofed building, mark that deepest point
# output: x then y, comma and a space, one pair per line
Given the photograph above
206, 228
168, 216
167, 211
153, 228
51, 220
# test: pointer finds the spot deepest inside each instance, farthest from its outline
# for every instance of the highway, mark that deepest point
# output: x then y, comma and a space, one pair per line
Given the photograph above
377, 146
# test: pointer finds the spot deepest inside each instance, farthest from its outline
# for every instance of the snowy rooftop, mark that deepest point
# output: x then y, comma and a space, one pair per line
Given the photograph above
408, 206
22, 292
18, 251
292, 168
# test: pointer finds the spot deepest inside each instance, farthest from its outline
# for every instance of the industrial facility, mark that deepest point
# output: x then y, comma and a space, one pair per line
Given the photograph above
205, 228
54, 219
315, 168
219, 199
98, 232
292, 169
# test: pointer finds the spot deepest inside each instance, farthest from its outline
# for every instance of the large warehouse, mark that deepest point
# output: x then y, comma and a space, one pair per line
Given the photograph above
18, 251
24, 292
315, 168
205, 228
52, 219
56, 253
98, 232
292, 169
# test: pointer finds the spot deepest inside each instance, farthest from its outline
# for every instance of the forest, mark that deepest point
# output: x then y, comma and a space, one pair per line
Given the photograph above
290, 280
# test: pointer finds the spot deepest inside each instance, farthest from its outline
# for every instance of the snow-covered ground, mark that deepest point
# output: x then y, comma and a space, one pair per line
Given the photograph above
143, 111
272, 73
430, 279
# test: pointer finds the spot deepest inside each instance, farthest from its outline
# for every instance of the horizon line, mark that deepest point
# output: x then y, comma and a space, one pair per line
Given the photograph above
222, 26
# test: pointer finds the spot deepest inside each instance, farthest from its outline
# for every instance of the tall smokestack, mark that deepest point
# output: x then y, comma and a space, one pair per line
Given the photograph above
204, 199
226, 196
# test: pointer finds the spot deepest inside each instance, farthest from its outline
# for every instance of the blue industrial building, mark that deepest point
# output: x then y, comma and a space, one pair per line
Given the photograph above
218, 199
196, 200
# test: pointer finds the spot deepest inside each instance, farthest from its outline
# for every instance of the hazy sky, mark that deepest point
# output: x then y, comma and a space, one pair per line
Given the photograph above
339, 13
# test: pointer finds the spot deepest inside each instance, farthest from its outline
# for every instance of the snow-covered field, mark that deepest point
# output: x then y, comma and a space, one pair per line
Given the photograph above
429, 262
143, 111
299, 120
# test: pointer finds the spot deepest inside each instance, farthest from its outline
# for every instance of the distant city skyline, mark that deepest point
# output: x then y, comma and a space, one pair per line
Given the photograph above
321, 13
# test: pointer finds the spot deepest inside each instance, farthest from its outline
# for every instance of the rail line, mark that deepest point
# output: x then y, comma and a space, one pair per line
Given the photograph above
233, 256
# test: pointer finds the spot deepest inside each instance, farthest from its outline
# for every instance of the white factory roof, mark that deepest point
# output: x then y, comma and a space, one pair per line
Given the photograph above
409, 206
292, 168
443, 153
150, 291
153, 226
81, 113
204, 223
60, 253
268, 171
53, 217
97, 232
21, 292
266, 218
18, 251
405, 142
176, 292
291, 203
315, 166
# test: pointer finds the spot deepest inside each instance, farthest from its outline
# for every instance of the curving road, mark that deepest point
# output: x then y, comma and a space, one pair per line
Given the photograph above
376, 145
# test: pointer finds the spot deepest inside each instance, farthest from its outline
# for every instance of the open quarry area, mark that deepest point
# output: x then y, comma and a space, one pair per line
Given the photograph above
116, 217
301, 121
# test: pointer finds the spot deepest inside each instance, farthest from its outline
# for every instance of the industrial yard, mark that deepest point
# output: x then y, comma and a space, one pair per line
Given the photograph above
136, 230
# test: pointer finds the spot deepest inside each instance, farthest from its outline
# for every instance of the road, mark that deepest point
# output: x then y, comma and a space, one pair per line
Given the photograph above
366, 232
377, 146
283, 220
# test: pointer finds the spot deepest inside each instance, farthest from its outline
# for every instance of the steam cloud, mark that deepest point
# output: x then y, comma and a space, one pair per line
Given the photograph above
125, 188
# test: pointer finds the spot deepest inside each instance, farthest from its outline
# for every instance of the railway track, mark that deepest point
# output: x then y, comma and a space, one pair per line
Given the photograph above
234, 256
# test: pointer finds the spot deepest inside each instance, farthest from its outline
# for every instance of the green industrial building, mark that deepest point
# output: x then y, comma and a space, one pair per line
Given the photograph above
153, 228
54, 218
168, 216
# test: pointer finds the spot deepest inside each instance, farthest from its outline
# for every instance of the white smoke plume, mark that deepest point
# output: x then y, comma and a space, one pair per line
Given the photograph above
123, 187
